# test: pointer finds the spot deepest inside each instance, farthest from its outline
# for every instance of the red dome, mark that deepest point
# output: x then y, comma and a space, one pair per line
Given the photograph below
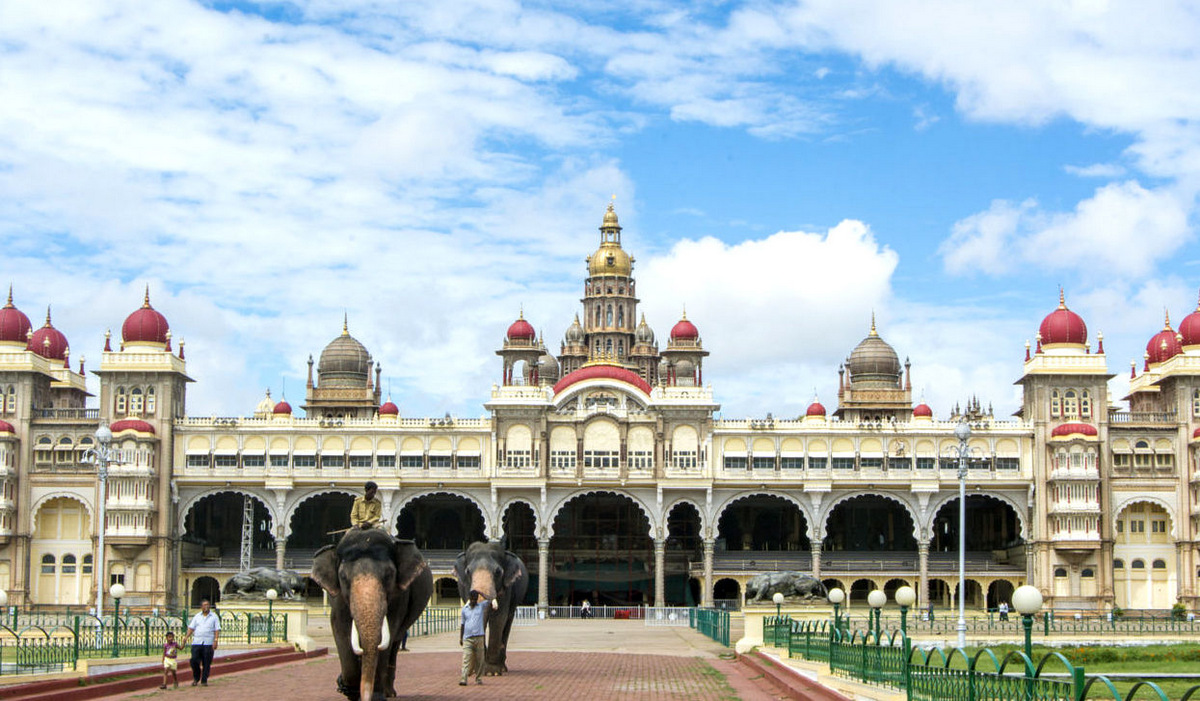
131, 425
1189, 328
684, 330
610, 372
6, 427
521, 330
1196, 433
923, 409
145, 325
1063, 326
815, 409
389, 409
1072, 429
14, 325
282, 408
56, 348
1163, 345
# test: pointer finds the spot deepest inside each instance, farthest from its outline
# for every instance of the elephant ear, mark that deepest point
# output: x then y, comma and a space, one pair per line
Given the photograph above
409, 563
325, 569
462, 576
513, 569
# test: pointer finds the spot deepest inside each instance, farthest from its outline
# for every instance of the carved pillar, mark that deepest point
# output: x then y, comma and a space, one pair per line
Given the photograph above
706, 598
816, 562
543, 573
923, 564
280, 550
660, 557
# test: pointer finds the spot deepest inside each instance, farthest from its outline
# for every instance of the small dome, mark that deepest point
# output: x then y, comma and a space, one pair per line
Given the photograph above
684, 330
1062, 326
136, 425
874, 362
6, 427
344, 363
14, 325
282, 407
1189, 328
145, 325
644, 334
1073, 429
389, 409
521, 330
48, 341
265, 405
1163, 345
922, 410
548, 369
574, 334
815, 409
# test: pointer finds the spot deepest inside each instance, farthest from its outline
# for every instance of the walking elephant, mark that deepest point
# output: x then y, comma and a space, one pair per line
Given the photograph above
379, 586
497, 574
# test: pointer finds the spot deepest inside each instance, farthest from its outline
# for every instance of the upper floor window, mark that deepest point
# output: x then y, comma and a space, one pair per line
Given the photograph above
150, 403
1196, 403
10, 400
1055, 404
121, 401
136, 402
1070, 405
1085, 404
48, 564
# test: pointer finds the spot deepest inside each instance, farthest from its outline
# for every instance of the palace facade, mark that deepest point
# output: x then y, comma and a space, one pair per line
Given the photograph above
605, 467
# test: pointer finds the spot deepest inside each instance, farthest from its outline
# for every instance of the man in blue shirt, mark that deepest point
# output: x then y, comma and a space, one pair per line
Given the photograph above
204, 630
470, 636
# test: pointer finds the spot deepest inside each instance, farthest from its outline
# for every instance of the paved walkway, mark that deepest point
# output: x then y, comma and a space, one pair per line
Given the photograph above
572, 660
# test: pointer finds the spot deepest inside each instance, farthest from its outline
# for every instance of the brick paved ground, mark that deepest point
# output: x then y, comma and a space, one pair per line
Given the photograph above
571, 676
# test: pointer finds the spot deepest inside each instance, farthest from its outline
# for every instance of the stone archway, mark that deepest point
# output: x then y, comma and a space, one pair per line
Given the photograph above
442, 522
61, 552
727, 593
601, 550
763, 522
205, 588
212, 530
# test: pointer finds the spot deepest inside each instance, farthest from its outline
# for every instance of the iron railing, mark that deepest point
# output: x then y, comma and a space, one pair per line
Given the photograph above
712, 623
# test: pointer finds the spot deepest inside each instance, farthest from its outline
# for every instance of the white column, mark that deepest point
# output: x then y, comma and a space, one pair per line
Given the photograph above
706, 598
543, 573
660, 557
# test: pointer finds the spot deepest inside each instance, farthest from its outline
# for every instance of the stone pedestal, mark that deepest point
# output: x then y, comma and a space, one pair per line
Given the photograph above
754, 615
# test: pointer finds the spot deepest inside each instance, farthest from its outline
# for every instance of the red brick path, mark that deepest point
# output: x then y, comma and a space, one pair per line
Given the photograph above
566, 676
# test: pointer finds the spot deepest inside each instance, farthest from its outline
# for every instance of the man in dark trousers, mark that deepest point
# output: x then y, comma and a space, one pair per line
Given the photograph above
204, 630
470, 636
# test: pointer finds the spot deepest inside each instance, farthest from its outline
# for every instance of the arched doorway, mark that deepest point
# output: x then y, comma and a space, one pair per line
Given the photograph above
445, 522
601, 550
869, 523
205, 588
1142, 538
727, 594
683, 545
992, 525
520, 537
213, 531
445, 592
318, 521
763, 522
1000, 591
859, 590
62, 539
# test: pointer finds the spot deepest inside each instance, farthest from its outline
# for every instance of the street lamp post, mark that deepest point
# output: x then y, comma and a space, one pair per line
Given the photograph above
836, 596
906, 596
101, 455
962, 432
271, 596
778, 599
1028, 601
117, 591
876, 600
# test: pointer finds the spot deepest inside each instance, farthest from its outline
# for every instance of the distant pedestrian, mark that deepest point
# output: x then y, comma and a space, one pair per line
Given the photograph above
204, 630
1003, 610
585, 611
170, 660
470, 637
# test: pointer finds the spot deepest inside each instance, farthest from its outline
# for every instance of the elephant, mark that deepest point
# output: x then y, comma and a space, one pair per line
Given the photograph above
500, 575
258, 580
378, 587
793, 585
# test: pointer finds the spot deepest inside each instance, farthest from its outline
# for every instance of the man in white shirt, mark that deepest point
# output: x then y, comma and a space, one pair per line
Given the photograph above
204, 630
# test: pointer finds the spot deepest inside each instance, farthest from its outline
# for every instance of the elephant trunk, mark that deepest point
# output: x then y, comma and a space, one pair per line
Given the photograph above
483, 582
369, 629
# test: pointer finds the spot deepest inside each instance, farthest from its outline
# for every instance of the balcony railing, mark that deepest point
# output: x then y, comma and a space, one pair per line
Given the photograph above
1142, 417
69, 414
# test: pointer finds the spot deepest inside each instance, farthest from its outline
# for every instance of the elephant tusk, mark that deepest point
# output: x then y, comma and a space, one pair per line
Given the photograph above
386, 638
354, 644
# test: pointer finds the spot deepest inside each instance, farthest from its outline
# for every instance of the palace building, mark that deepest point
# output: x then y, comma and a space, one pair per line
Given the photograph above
605, 467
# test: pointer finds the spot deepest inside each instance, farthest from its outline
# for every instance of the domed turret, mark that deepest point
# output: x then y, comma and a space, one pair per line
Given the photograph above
922, 411
521, 330
1189, 328
265, 406
145, 325
1164, 345
684, 330
548, 371
574, 332
389, 409
610, 258
644, 334
344, 363
14, 325
282, 408
1062, 327
48, 341
816, 409
874, 362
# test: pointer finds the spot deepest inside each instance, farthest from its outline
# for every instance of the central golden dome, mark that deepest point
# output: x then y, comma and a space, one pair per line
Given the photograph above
610, 258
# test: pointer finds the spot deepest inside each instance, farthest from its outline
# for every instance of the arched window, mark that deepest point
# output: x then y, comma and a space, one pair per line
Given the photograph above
1088, 572
1118, 564
597, 315
10, 405
87, 564
621, 315
1159, 564
150, 403
135, 402
1055, 404
1138, 564
608, 347
1085, 405
121, 405
47, 564
608, 316
68, 564
1070, 407
1060, 572
620, 349
1196, 403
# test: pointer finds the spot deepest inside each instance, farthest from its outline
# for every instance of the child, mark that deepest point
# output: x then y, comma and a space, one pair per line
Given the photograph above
170, 660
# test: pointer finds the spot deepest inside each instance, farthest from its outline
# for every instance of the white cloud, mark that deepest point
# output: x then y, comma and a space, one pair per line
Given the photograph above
1096, 170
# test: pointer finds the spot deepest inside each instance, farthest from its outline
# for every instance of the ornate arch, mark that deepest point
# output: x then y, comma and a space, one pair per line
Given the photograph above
704, 523
912, 511
808, 519
295, 505
1148, 499
938, 505
488, 517
60, 494
558, 507
190, 503
503, 508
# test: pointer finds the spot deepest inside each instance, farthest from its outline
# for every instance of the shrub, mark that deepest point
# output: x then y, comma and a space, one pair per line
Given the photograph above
1179, 611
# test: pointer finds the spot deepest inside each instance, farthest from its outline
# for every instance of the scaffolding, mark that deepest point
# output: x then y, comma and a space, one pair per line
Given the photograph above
247, 559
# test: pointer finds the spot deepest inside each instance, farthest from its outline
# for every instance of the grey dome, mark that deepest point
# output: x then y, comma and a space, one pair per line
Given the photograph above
344, 363
874, 363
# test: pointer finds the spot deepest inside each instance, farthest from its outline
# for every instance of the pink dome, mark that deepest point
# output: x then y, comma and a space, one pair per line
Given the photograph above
1163, 345
684, 330
923, 410
136, 425
55, 348
282, 408
521, 330
610, 372
6, 427
145, 325
1196, 433
14, 325
389, 409
1189, 328
815, 409
1073, 429
1063, 326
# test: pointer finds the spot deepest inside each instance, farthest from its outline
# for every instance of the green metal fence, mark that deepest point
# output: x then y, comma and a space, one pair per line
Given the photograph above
932, 675
713, 623
1048, 622
441, 619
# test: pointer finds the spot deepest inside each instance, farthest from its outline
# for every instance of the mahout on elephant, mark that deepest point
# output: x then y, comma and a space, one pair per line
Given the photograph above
257, 580
498, 575
378, 586
793, 585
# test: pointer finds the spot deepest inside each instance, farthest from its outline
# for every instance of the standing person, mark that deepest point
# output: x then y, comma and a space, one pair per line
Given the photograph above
170, 660
470, 637
367, 511
585, 611
204, 630
1003, 610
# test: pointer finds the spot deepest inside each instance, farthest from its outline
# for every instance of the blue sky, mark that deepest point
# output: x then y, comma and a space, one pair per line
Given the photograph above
430, 168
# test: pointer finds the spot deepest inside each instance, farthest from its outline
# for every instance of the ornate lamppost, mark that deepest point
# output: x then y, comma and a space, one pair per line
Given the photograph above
963, 433
836, 596
271, 596
876, 600
117, 591
101, 455
906, 596
1028, 601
